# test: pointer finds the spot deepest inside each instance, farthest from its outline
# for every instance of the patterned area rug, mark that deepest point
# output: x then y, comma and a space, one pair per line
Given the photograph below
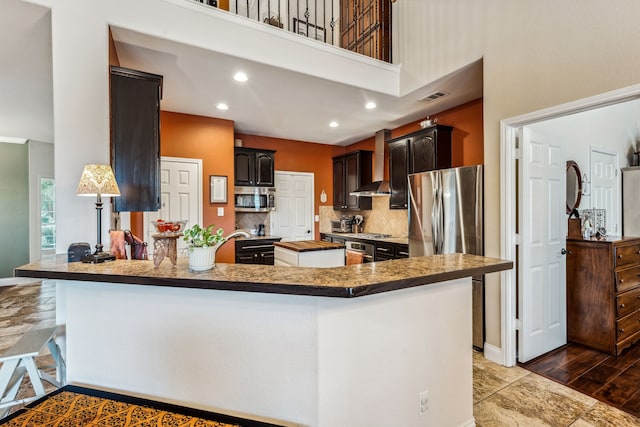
73, 406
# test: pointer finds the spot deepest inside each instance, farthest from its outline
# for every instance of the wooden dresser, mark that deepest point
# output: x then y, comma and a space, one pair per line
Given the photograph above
603, 293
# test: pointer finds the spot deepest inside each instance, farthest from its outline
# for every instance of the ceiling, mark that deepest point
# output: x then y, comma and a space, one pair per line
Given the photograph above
274, 101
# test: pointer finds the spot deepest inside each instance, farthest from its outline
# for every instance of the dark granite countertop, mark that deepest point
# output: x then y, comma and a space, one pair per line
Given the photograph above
398, 240
309, 245
344, 282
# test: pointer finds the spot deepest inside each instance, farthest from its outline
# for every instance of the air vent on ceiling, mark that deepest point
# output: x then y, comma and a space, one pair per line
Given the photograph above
432, 96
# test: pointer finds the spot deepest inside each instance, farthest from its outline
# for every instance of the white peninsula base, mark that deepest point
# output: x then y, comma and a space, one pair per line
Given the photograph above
314, 361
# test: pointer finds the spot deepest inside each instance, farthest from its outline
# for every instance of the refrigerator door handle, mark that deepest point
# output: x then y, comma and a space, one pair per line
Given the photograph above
436, 219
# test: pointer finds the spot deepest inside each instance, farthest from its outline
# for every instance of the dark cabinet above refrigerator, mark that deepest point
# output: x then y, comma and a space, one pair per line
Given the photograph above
420, 151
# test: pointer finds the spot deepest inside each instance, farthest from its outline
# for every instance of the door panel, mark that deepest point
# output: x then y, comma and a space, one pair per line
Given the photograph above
293, 217
398, 171
180, 197
542, 268
604, 186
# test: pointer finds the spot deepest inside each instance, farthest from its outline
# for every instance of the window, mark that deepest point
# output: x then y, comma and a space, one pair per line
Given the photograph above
47, 214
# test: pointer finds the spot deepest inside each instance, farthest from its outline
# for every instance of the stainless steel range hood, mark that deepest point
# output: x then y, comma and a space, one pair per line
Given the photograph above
378, 187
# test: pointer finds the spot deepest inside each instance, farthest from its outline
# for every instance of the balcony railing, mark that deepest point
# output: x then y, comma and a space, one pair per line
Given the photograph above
362, 26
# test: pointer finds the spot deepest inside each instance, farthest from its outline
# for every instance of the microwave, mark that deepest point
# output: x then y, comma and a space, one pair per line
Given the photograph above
255, 199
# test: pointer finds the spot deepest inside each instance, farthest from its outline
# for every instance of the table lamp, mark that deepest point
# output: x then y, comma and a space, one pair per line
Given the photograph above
98, 180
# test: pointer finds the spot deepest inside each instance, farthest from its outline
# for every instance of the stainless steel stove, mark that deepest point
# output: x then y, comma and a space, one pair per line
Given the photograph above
372, 236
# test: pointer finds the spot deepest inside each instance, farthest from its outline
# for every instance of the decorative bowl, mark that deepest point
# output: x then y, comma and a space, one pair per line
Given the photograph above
163, 226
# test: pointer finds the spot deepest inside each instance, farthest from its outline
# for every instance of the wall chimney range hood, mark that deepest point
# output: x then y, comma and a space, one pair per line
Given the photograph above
378, 187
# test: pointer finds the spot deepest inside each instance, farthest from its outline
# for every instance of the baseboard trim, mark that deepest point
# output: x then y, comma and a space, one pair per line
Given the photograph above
470, 423
493, 354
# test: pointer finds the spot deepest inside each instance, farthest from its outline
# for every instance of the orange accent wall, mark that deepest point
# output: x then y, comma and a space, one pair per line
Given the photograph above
467, 138
300, 156
209, 139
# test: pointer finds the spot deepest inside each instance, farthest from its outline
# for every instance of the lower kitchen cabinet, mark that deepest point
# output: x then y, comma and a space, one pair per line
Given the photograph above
386, 251
603, 293
255, 251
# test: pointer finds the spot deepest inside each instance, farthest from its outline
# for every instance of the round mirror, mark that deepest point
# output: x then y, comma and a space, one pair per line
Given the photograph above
574, 186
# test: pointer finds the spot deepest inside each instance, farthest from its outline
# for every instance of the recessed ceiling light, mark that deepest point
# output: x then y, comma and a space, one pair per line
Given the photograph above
240, 77
333, 124
222, 106
370, 105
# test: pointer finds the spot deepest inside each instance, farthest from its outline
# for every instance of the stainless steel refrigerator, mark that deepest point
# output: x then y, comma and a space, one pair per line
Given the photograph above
446, 216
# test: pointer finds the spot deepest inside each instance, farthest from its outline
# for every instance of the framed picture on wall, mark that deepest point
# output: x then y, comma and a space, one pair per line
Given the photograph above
306, 29
217, 189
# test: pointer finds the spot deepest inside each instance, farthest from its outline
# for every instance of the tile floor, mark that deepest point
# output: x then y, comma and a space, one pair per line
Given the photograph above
502, 396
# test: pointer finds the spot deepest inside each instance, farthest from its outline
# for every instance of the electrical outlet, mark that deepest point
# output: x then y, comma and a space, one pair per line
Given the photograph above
423, 400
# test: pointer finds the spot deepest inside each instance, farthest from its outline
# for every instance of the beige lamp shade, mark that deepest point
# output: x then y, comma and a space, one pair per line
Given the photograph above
98, 180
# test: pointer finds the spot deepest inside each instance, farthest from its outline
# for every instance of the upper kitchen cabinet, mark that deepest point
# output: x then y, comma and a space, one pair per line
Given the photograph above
135, 139
420, 151
254, 168
350, 172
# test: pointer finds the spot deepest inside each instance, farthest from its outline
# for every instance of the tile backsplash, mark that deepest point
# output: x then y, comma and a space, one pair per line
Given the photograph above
380, 219
249, 220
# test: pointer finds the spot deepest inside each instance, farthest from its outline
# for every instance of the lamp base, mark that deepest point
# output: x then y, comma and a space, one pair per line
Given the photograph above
98, 257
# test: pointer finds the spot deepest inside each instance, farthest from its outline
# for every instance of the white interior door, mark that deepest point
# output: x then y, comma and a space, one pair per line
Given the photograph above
604, 186
542, 266
180, 196
293, 217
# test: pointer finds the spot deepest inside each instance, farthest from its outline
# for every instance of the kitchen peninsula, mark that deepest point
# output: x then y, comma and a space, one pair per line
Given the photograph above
350, 346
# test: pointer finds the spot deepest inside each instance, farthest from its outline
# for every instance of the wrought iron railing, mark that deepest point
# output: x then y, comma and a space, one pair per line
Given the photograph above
362, 26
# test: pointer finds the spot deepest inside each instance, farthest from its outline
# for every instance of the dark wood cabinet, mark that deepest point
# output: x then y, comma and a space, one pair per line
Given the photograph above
255, 251
421, 151
254, 168
387, 250
398, 172
603, 293
365, 27
135, 139
350, 172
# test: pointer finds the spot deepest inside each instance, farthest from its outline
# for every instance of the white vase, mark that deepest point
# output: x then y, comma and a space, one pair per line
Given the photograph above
201, 259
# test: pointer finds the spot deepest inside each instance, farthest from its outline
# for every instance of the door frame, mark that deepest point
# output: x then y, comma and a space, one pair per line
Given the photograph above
507, 353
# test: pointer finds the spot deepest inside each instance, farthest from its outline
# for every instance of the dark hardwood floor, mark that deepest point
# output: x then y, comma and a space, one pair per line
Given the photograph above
610, 379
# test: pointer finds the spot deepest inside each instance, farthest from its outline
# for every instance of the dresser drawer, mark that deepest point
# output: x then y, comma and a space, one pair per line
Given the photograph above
628, 326
627, 255
627, 279
628, 302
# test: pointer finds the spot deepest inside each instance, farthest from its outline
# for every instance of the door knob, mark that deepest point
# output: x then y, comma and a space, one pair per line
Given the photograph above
563, 251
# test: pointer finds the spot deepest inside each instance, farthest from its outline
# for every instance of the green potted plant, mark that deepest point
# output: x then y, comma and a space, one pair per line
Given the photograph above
202, 246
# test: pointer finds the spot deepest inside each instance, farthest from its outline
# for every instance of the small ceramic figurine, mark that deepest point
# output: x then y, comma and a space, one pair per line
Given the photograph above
586, 229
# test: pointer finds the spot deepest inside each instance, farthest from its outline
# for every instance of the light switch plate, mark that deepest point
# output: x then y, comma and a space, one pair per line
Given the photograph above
220, 211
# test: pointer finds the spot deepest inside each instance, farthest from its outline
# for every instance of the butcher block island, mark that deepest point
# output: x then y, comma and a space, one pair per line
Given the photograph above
309, 253
344, 346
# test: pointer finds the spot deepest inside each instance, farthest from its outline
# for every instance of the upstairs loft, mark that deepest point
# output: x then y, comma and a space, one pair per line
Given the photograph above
361, 26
